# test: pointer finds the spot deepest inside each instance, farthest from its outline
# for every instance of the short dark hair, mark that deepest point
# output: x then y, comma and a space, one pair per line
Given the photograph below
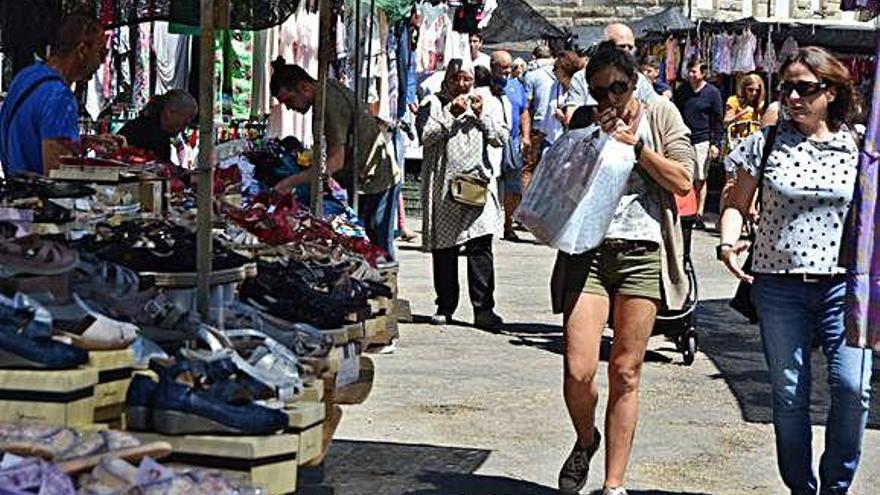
542, 51
695, 62
650, 61
75, 29
478, 35
482, 77
568, 62
608, 55
286, 76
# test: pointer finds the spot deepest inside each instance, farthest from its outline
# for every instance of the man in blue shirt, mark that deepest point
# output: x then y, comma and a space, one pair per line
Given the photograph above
520, 136
703, 112
539, 83
39, 121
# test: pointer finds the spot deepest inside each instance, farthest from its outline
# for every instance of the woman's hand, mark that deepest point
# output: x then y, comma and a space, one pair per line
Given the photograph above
459, 105
559, 115
477, 105
729, 255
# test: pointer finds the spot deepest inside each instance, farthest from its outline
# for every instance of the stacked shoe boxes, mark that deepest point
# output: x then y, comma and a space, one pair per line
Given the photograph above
64, 397
270, 462
115, 369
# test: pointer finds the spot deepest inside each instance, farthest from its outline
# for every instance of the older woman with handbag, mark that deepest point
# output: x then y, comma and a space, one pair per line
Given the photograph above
805, 177
635, 271
460, 206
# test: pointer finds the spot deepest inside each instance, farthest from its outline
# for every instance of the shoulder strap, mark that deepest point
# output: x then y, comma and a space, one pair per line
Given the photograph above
19, 102
765, 155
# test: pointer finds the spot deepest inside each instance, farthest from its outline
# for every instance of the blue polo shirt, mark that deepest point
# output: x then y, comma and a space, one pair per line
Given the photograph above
49, 112
516, 93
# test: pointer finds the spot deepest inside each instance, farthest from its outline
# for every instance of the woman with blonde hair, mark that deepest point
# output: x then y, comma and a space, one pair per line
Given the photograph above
748, 105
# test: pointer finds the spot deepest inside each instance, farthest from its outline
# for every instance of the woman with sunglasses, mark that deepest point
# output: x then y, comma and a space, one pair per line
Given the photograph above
798, 281
634, 272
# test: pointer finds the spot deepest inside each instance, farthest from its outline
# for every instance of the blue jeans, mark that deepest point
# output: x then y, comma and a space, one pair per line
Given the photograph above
379, 213
792, 311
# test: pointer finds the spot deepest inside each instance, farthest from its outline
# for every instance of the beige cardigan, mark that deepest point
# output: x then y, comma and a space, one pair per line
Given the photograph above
673, 141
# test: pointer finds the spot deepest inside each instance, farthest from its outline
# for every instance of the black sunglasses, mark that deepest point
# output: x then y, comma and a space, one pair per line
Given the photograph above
803, 88
618, 88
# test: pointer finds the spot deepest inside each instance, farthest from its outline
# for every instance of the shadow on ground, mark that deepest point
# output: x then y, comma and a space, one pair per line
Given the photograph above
378, 468
735, 348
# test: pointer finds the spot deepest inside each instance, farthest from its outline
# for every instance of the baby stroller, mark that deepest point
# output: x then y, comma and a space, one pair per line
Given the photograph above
680, 326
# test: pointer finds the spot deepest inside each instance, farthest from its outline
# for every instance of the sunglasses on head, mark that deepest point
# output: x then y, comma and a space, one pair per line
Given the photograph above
618, 88
803, 88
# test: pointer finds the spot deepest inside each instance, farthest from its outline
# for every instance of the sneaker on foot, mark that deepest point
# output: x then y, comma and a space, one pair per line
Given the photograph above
439, 319
573, 476
614, 491
488, 320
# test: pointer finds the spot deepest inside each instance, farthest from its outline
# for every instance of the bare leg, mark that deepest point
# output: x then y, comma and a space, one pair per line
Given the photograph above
702, 191
633, 322
585, 319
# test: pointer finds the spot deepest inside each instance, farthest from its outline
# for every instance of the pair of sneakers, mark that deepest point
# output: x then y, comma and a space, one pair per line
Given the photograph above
576, 469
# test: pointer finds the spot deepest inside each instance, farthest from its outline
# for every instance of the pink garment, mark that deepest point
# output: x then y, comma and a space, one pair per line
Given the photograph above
671, 46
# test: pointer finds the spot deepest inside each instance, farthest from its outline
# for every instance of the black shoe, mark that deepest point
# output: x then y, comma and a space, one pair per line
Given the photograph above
574, 472
488, 320
699, 223
511, 235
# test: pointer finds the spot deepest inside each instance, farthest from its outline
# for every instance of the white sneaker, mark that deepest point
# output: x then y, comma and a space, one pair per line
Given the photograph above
614, 491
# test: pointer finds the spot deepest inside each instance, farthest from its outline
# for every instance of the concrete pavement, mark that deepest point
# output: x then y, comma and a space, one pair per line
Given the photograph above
457, 410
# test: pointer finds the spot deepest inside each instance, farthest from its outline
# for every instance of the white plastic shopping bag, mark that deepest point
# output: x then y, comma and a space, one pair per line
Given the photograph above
572, 197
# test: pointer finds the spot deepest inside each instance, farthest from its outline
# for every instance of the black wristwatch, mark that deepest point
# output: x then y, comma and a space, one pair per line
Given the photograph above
639, 146
719, 249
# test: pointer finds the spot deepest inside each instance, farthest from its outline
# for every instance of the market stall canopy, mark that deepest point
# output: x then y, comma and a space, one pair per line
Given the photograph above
669, 19
850, 37
515, 20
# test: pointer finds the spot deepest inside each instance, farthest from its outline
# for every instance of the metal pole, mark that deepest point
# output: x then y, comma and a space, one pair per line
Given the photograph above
356, 127
206, 154
326, 51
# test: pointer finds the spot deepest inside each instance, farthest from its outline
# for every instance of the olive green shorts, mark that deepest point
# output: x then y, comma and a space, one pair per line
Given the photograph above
630, 268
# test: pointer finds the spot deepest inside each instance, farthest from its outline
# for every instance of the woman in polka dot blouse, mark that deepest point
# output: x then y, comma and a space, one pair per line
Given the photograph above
798, 285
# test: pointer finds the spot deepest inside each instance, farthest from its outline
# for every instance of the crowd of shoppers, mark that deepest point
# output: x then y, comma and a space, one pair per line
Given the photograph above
796, 158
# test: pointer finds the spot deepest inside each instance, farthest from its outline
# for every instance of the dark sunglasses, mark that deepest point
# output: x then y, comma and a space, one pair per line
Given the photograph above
803, 88
618, 88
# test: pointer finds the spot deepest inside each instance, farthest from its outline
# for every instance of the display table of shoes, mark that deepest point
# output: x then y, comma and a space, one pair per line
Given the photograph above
115, 369
57, 397
268, 461
307, 421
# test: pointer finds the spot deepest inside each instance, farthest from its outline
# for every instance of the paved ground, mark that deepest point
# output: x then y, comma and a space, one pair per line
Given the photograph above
461, 411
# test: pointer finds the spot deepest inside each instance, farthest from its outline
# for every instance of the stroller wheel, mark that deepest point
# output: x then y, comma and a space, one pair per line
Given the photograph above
690, 348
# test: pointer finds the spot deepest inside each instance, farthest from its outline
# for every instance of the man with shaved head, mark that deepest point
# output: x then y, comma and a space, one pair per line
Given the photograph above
520, 136
579, 93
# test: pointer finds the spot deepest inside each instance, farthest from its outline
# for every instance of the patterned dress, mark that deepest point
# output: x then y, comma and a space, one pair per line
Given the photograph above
454, 145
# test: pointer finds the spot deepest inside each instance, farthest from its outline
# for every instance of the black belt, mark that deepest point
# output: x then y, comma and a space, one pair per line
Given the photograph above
626, 244
813, 278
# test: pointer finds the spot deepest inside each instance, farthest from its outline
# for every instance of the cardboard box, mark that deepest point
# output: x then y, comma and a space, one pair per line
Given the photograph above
115, 370
64, 397
270, 462
307, 421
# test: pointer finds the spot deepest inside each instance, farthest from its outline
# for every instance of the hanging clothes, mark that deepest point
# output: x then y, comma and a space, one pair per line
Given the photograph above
744, 52
172, 58
281, 120
770, 64
141, 90
671, 63
240, 64
863, 274
260, 97
722, 53
789, 49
